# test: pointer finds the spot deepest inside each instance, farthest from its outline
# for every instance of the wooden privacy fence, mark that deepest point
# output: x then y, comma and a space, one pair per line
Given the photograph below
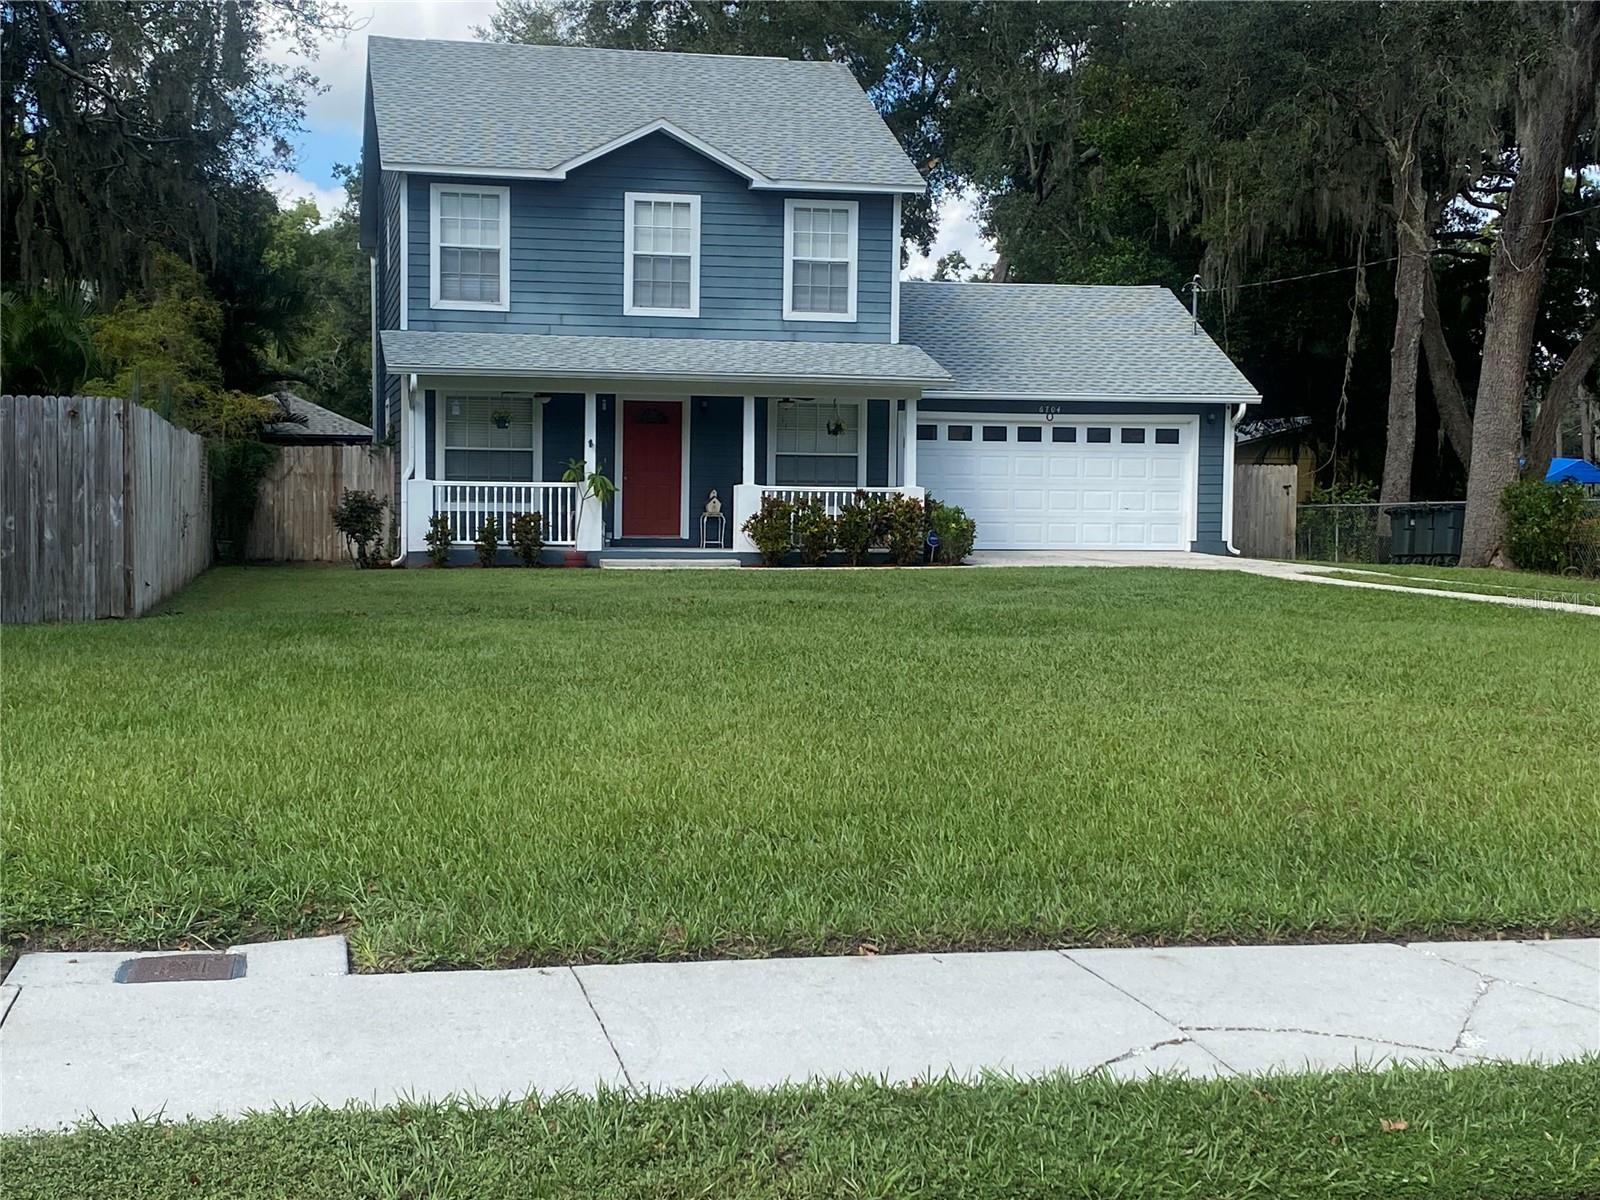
1264, 509
105, 508
292, 522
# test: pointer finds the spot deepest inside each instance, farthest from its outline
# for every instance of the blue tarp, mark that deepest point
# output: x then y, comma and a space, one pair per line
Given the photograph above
1574, 470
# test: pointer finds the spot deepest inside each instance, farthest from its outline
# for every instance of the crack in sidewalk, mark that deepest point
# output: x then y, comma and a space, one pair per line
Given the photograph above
604, 1032
1149, 1008
1485, 977
1349, 1037
1138, 1050
1484, 984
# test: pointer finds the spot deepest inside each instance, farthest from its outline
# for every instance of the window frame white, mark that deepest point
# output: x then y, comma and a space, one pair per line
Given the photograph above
775, 406
482, 189
441, 423
629, 308
853, 207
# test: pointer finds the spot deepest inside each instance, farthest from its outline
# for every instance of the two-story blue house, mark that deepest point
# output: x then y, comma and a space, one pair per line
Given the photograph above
685, 271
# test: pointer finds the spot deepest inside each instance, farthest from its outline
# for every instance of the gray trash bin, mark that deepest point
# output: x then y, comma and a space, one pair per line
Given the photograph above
1425, 533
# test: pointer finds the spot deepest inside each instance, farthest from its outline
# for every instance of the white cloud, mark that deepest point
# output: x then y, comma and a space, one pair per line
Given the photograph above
289, 187
958, 230
342, 65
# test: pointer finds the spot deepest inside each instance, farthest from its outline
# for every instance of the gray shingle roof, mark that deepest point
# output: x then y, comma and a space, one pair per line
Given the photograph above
533, 108
1066, 341
723, 360
321, 424
1267, 427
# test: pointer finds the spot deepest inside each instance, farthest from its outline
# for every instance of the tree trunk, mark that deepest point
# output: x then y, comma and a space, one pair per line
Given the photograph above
1410, 283
1566, 387
1452, 405
1554, 106
1586, 407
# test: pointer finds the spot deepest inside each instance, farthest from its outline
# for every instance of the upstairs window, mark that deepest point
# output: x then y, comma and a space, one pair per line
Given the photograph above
661, 266
819, 260
470, 251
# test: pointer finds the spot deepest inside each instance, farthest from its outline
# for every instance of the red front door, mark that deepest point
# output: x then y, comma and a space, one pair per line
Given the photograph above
652, 468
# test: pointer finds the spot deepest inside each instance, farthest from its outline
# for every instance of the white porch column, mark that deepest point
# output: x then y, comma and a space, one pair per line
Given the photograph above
910, 479
747, 473
418, 506
591, 522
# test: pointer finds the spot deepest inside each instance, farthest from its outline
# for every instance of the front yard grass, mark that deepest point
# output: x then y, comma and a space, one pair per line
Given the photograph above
1474, 1133
468, 767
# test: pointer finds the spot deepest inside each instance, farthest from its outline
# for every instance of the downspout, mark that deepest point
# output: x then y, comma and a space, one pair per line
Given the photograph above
1232, 414
406, 476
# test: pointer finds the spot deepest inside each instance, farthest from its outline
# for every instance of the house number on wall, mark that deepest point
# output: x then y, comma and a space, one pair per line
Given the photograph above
1049, 410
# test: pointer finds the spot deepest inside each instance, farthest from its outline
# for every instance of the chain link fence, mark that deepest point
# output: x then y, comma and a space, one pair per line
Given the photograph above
1360, 533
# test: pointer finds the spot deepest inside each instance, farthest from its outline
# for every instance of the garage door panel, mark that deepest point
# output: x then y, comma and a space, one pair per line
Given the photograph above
1129, 493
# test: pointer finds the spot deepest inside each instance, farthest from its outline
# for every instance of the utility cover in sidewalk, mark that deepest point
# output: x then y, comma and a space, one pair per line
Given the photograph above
182, 968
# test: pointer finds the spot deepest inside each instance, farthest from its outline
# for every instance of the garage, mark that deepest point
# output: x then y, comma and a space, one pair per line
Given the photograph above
1048, 482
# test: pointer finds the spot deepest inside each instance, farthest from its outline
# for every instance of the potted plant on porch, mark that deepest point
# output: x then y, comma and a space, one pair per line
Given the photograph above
591, 485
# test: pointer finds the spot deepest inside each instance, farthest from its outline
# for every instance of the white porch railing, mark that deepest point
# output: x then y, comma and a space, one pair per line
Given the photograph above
747, 501
833, 499
468, 505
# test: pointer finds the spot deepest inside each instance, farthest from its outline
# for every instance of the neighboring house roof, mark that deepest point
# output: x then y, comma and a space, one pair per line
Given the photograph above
724, 360
538, 111
1261, 428
321, 424
1066, 342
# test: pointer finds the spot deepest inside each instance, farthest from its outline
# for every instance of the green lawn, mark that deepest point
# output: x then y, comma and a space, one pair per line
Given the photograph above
490, 767
1568, 589
1470, 1134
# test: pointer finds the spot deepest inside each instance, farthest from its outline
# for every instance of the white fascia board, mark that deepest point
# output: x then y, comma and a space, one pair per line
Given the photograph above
1089, 397
796, 385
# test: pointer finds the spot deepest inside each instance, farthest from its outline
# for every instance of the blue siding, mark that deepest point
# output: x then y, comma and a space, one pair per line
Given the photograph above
1208, 500
566, 254
562, 433
716, 450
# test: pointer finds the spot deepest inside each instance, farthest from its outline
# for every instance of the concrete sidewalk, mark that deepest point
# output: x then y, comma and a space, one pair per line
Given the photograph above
297, 1030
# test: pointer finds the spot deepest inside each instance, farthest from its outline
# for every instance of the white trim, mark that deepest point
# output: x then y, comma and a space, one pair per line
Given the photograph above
1231, 417
699, 385
1189, 421
860, 404
747, 457
909, 446
504, 193
894, 278
854, 209
756, 178
629, 199
378, 385
686, 405
405, 250
878, 385
1087, 397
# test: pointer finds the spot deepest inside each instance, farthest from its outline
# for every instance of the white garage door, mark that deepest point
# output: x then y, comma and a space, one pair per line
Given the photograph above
1065, 484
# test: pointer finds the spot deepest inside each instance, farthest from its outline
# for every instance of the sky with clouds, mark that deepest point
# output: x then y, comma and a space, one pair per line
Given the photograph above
333, 117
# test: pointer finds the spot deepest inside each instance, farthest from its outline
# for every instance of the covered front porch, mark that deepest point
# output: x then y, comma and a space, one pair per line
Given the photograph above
483, 450
477, 444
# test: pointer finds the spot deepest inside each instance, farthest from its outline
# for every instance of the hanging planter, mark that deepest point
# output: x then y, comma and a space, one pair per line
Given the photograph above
835, 427
501, 418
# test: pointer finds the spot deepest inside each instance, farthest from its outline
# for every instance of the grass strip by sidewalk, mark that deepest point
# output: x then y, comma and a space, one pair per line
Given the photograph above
1513, 585
1480, 1132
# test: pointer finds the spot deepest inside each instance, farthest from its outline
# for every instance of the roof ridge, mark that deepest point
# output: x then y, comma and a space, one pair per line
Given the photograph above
1125, 287
603, 49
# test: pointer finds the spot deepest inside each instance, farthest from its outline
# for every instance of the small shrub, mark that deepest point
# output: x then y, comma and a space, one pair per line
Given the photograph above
527, 537
769, 528
956, 530
904, 528
359, 516
813, 532
487, 543
855, 528
1543, 520
439, 539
